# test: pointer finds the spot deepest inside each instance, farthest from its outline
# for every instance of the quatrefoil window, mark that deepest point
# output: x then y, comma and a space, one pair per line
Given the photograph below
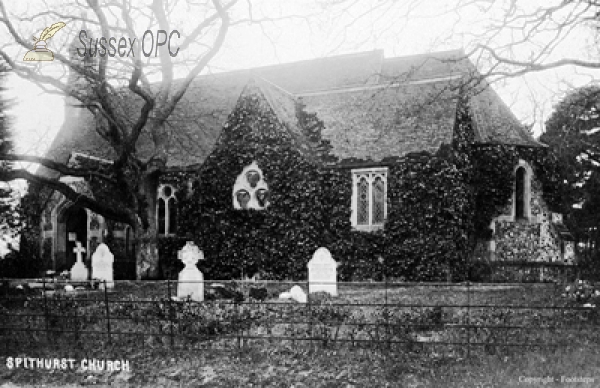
250, 190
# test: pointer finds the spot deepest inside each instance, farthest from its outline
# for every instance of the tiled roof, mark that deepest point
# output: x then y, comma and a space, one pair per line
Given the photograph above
494, 122
372, 107
387, 121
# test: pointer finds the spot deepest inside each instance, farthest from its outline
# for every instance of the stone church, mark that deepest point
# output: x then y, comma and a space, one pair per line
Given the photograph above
373, 108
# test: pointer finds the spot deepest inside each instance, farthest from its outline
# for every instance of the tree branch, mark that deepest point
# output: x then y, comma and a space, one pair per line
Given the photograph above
225, 22
69, 193
58, 167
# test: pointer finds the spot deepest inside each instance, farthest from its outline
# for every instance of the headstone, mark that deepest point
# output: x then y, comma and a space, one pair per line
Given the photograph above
102, 265
79, 272
297, 294
191, 281
322, 273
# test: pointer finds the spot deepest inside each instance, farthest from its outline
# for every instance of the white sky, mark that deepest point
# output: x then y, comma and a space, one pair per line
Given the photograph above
38, 115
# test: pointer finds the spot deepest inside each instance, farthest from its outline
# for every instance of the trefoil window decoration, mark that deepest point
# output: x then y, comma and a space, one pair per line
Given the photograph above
250, 190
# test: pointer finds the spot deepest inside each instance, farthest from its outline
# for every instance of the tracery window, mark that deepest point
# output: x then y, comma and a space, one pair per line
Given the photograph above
520, 193
369, 198
250, 190
166, 210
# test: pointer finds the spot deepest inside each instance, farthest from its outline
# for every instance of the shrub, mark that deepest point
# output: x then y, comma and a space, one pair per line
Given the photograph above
479, 271
582, 292
14, 265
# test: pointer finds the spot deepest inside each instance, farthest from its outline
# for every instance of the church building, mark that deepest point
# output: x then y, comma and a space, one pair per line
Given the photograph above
362, 115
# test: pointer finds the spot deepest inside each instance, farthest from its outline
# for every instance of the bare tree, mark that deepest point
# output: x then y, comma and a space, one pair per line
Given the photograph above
550, 43
506, 37
109, 85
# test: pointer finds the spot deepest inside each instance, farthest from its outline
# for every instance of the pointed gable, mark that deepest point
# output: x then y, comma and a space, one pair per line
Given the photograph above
371, 108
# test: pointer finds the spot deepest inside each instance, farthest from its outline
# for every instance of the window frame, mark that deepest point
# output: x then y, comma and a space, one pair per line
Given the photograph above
167, 219
527, 176
371, 174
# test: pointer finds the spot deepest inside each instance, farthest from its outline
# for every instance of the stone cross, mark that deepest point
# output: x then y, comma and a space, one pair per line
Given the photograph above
79, 272
322, 272
102, 265
191, 280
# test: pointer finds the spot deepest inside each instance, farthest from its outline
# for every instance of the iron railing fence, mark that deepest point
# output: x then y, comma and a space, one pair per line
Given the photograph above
447, 317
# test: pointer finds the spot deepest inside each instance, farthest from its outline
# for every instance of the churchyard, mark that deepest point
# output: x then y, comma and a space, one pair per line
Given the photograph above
315, 331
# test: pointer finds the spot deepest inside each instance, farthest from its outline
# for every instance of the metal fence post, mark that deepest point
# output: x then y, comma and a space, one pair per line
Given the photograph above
238, 324
310, 317
387, 314
107, 310
171, 313
469, 320
45, 307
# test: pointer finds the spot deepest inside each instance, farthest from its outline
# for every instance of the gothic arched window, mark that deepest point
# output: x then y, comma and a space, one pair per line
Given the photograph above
166, 210
520, 199
521, 208
369, 203
362, 208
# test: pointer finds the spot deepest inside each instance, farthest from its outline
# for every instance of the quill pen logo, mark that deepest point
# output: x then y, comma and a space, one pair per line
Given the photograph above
40, 52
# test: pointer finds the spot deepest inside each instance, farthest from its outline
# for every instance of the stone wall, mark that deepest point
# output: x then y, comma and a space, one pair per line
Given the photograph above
533, 273
533, 240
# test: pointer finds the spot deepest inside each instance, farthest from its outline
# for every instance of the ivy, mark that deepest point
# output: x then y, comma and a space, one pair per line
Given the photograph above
439, 204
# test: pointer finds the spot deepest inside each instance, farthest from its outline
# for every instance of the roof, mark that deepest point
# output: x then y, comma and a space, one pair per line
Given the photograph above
373, 107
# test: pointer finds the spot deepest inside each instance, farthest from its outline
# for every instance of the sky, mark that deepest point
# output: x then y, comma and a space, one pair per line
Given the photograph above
37, 115
358, 26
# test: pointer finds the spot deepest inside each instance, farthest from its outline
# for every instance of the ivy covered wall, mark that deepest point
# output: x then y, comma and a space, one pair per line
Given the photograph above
534, 240
427, 233
440, 206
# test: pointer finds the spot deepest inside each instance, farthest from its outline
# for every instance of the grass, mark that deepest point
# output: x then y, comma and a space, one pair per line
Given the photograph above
522, 313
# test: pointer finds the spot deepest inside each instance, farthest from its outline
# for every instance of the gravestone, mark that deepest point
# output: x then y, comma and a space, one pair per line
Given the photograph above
79, 272
102, 265
297, 294
322, 272
191, 281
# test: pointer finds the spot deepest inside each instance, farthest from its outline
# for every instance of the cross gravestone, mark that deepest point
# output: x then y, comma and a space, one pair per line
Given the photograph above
191, 280
322, 272
79, 272
102, 265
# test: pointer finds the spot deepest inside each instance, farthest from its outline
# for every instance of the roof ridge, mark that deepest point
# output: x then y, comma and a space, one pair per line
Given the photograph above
357, 87
262, 79
302, 61
432, 54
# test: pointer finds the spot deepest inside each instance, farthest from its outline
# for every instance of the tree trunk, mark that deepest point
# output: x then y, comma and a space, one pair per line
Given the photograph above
146, 233
147, 254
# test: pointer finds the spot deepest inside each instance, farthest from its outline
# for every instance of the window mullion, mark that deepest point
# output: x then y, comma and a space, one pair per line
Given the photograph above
370, 199
167, 215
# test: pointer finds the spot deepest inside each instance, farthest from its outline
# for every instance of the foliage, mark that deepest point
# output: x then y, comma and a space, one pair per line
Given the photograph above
479, 270
9, 220
170, 265
30, 212
15, 265
572, 133
589, 267
439, 204
582, 292
193, 320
